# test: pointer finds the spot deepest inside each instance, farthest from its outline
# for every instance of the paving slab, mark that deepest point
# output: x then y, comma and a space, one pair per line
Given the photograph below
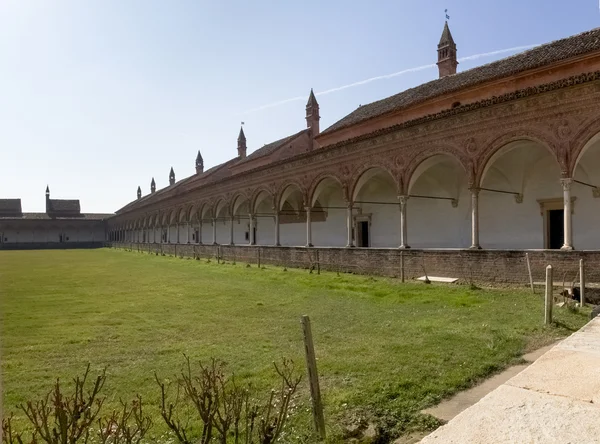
512, 415
563, 373
448, 409
555, 400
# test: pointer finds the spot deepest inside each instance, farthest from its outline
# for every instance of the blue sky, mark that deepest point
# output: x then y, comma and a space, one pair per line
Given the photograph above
99, 96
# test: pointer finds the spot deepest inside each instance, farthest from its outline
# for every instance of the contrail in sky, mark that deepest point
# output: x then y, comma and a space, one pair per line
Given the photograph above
387, 76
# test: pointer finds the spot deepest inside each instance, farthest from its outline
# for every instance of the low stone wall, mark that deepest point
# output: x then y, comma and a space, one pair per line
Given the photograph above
495, 267
49, 245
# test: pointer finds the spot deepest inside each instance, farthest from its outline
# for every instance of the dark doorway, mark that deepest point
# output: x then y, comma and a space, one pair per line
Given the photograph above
363, 234
556, 229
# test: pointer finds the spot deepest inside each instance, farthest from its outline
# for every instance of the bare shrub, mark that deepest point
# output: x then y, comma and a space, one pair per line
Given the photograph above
61, 418
224, 409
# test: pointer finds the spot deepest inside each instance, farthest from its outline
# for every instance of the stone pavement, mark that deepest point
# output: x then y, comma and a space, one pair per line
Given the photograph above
554, 400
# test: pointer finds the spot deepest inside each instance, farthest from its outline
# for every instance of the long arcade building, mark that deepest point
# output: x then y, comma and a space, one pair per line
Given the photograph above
502, 156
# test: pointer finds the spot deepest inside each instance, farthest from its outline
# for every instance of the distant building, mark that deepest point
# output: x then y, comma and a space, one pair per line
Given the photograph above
62, 225
501, 156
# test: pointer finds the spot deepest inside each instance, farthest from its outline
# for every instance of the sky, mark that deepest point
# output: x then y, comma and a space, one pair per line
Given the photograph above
99, 96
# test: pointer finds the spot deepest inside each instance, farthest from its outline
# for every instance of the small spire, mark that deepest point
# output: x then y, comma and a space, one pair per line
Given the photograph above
312, 100
47, 190
312, 114
447, 61
199, 163
139, 192
171, 176
152, 186
446, 37
242, 144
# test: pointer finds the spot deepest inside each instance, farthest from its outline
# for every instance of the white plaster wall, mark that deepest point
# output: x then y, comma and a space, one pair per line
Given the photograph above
223, 232
265, 230
385, 219
292, 235
332, 232
207, 232
435, 223
505, 224
240, 226
586, 215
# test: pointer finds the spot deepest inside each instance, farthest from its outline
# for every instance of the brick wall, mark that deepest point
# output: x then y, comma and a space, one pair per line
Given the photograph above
497, 267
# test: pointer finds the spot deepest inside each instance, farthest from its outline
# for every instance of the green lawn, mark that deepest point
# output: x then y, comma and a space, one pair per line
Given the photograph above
384, 349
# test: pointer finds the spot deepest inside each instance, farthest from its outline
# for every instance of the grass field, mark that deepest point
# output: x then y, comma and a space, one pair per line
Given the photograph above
384, 349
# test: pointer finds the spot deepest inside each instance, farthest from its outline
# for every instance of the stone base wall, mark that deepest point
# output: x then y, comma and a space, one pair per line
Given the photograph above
49, 245
496, 267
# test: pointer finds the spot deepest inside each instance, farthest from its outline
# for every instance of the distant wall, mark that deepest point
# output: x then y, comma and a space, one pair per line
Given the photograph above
496, 267
49, 245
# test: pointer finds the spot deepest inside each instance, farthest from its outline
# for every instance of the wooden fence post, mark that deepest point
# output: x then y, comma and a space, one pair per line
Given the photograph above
529, 271
402, 266
313, 376
581, 283
549, 302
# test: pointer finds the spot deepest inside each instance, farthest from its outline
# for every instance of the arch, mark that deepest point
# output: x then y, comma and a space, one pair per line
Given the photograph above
498, 147
583, 140
238, 200
204, 209
289, 189
428, 160
259, 195
181, 215
369, 173
218, 207
321, 181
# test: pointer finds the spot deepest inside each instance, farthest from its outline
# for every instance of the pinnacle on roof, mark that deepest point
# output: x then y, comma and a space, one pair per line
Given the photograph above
171, 173
153, 183
446, 36
47, 189
242, 136
199, 158
312, 100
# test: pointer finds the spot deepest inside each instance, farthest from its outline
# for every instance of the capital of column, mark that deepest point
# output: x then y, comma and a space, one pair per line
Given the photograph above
474, 191
403, 199
566, 183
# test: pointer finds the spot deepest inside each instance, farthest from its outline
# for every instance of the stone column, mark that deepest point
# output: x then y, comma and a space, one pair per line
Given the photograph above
350, 242
568, 241
308, 228
475, 219
189, 234
231, 231
214, 223
251, 234
199, 240
178, 238
403, 222
277, 240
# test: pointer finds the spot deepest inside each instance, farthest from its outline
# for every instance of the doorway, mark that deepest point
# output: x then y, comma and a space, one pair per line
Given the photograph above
556, 229
363, 238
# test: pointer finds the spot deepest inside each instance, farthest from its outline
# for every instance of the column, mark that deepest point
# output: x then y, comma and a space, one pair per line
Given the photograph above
277, 240
568, 242
189, 234
403, 222
251, 234
308, 228
214, 224
199, 240
177, 225
231, 231
350, 242
475, 218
